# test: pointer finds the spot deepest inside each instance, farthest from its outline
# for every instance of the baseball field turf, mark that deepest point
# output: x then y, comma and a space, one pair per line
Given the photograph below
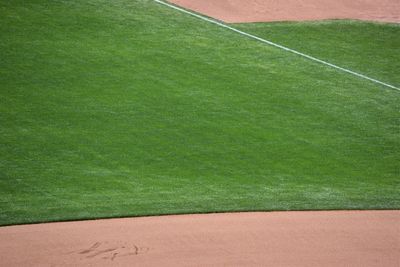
128, 108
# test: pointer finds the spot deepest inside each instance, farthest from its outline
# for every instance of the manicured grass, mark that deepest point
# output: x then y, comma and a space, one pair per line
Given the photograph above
366, 47
127, 108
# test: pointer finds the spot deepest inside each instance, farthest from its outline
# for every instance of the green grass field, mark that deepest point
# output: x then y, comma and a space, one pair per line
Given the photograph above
128, 108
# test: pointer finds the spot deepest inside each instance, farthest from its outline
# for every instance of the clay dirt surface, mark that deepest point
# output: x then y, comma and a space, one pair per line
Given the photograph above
332, 238
238, 11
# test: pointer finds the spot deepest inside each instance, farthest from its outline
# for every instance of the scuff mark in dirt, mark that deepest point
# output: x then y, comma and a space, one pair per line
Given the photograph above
110, 251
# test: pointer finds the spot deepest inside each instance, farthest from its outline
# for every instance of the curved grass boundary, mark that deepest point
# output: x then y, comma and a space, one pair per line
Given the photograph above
129, 109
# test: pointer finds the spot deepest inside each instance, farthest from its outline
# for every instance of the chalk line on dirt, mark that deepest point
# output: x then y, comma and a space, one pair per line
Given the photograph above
279, 46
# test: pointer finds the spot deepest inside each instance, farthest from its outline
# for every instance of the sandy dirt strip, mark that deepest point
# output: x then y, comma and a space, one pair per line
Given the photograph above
336, 238
236, 11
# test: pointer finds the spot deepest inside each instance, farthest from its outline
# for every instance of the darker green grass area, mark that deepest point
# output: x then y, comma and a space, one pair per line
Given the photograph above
128, 108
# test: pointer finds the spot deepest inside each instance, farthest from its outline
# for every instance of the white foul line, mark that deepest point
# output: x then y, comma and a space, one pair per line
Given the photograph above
277, 45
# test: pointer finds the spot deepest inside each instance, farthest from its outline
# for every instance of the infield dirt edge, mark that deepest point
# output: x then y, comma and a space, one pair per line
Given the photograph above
237, 11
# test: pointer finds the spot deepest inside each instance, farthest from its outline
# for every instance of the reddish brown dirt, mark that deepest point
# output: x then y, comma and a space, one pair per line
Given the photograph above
233, 11
343, 238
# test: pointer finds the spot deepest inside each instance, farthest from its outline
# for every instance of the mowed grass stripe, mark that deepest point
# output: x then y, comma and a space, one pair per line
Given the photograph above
125, 108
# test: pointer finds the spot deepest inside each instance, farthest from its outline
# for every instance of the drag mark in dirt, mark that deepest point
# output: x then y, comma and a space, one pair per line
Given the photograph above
109, 251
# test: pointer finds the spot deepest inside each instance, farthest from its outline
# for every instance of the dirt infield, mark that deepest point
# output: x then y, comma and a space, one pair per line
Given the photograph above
236, 11
337, 238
